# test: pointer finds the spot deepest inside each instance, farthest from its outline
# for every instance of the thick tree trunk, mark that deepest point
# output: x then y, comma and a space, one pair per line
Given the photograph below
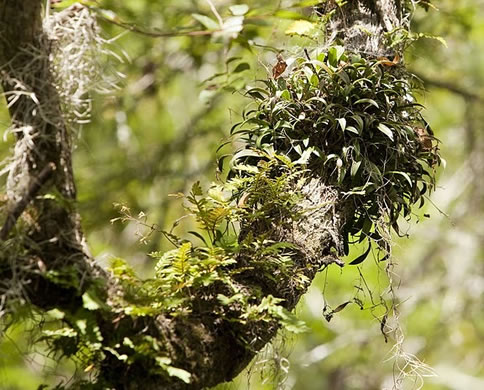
211, 348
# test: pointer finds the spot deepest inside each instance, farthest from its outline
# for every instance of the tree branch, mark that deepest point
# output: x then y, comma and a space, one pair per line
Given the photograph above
20, 206
465, 93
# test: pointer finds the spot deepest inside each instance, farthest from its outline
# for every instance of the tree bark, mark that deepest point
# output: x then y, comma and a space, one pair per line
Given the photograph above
362, 24
50, 237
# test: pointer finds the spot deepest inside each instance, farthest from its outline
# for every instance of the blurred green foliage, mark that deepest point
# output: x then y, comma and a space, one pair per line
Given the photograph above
159, 133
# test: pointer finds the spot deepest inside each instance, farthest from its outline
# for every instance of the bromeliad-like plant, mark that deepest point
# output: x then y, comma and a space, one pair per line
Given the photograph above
355, 123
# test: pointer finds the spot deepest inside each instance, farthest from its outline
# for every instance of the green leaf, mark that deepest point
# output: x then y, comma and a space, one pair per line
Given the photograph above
369, 101
199, 236
90, 301
209, 23
386, 130
232, 26
56, 314
286, 95
354, 168
352, 129
289, 321
63, 332
241, 67
285, 14
244, 153
405, 175
330, 157
224, 300
164, 362
232, 59
300, 27
306, 3
334, 55
342, 123
68, 3
238, 10
258, 93
128, 343
179, 373
304, 156
220, 161
122, 357
314, 80
120, 268
359, 120
344, 76
197, 189
362, 257
374, 171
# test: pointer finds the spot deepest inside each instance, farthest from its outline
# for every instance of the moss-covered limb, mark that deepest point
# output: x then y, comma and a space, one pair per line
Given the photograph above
20, 206
43, 139
50, 229
362, 25
212, 322
19, 21
222, 326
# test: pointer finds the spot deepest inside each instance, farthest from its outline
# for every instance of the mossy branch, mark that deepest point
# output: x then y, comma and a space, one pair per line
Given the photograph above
284, 214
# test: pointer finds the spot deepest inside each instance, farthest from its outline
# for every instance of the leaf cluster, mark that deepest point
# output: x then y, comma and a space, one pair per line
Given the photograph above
191, 277
353, 122
190, 273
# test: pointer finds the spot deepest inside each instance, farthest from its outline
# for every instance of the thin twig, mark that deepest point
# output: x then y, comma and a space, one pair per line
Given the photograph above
215, 12
156, 34
449, 86
19, 207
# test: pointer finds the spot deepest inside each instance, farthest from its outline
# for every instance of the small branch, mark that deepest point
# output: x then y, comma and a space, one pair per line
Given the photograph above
449, 86
157, 34
215, 12
19, 207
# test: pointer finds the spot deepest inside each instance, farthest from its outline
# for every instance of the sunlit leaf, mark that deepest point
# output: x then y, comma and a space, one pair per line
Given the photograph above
179, 373
334, 55
404, 174
238, 10
385, 130
300, 27
285, 14
355, 166
207, 22
342, 123
369, 101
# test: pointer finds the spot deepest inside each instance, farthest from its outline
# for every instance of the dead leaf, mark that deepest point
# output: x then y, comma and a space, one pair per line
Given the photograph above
279, 68
387, 62
424, 138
